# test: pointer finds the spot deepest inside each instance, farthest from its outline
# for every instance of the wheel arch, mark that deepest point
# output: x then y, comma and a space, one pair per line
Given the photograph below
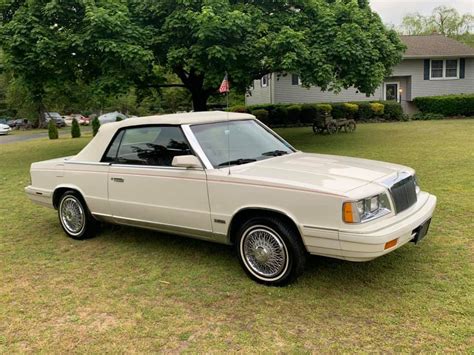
61, 189
255, 211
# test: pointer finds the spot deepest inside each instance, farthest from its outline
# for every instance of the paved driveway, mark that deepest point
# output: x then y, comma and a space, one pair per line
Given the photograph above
15, 137
12, 138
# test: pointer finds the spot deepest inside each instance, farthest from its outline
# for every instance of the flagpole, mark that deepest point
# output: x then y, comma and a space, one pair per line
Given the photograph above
228, 125
225, 89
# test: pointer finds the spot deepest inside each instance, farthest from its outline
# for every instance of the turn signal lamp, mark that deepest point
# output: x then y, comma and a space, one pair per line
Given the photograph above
391, 244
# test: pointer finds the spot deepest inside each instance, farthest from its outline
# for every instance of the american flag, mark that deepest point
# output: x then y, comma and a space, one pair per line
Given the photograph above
225, 87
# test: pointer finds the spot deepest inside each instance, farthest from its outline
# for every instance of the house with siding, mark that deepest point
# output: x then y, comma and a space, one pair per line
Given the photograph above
432, 65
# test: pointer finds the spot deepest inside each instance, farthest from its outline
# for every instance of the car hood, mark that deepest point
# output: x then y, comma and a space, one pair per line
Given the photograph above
4, 126
330, 173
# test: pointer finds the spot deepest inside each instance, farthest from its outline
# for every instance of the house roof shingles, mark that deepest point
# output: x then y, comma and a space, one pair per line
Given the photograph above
430, 46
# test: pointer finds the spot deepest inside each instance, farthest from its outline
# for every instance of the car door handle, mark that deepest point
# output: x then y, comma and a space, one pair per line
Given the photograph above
115, 179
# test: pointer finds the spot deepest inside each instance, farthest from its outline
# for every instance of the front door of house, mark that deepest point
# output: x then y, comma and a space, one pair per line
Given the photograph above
391, 91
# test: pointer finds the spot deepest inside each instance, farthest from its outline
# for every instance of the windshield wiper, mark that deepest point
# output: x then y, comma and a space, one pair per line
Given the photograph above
237, 162
275, 153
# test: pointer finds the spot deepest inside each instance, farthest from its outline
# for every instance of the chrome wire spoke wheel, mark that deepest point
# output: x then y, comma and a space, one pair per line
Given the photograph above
72, 215
264, 253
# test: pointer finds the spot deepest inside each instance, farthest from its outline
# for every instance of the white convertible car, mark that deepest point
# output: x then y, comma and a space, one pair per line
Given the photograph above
227, 178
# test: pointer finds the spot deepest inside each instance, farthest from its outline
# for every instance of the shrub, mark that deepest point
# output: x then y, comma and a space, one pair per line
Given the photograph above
52, 130
344, 110
294, 113
261, 114
393, 111
118, 119
324, 109
308, 113
377, 108
95, 126
365, 111
420, 116
338, 110
351, 110
279, 115
447, 105
75, 129
239, 108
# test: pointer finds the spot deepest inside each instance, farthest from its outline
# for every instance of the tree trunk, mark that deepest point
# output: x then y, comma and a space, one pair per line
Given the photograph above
41, 118
194, 82
199, 100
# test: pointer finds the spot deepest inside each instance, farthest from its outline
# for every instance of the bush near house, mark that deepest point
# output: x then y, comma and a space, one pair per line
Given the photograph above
393, 111
344, 110
261, 114
308, 113
447, 105
296, 114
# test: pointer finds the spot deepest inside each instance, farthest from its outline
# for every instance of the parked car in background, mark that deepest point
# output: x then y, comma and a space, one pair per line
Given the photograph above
19, 123
111, 117
3, 121
4, 129
227, 178
82, 120
56, 117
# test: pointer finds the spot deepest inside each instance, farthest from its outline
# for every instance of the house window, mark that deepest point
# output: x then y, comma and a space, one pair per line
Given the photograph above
451, 68
295, 79
436, 68
444, 69
264, 81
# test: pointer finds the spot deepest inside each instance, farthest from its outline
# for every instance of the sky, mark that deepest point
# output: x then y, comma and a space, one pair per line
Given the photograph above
392, 11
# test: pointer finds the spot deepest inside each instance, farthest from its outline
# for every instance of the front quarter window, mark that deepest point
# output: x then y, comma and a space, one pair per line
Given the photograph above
238, 142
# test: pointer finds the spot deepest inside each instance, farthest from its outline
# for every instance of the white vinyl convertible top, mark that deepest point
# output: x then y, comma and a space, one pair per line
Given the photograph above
95, 149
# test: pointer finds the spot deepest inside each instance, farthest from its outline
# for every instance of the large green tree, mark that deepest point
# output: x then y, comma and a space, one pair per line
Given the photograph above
51, 44
333, 44
112, 44
443, 20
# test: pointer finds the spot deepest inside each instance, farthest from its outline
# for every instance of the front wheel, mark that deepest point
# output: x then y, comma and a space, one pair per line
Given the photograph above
270, 251
75, 218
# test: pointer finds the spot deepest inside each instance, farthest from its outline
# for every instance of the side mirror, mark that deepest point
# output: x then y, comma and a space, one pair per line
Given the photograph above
186, 161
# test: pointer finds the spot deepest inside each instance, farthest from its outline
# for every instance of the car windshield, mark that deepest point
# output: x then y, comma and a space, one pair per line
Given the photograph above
238, 142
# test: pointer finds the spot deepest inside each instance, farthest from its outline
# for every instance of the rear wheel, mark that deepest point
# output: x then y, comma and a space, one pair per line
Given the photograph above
270, 251
75, 218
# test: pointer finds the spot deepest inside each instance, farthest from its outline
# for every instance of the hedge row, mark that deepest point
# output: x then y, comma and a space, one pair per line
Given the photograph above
288, 114
448, 105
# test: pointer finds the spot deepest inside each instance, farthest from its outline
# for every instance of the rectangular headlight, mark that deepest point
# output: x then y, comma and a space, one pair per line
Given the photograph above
366, 209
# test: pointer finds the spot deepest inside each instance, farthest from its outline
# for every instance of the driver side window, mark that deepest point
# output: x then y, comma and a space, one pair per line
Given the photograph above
150, 145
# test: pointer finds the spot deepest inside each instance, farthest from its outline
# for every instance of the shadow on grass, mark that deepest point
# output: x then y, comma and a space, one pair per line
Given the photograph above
385, 272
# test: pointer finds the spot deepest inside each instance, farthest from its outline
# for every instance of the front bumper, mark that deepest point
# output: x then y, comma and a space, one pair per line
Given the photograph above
368, 245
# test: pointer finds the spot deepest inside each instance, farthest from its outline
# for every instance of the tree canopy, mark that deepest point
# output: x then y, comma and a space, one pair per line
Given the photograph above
112, 44
332, 44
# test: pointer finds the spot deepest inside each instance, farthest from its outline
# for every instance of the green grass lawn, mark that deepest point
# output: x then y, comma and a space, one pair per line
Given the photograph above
135, 290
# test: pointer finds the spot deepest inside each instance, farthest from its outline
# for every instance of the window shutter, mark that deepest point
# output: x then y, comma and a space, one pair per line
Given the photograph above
427, 69
462, 68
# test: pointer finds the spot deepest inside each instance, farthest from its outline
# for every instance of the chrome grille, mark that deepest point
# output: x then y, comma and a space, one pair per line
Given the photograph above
404, 193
